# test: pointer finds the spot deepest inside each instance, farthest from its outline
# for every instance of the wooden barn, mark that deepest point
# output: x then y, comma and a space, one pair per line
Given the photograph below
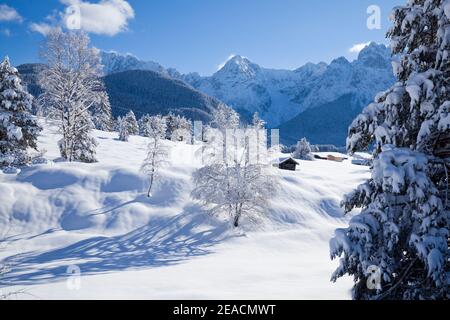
286, 164
442, 146
335, 158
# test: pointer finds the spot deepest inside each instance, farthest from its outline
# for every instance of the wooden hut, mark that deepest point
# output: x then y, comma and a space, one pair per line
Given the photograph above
287, 164
335, 158
442, 146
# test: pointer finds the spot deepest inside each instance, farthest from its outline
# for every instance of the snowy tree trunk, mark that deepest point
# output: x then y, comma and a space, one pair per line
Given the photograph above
157, 153
152, 176
237, 215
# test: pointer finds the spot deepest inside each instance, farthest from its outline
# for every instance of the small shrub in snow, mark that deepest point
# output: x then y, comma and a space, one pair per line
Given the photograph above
40, 160
11, 170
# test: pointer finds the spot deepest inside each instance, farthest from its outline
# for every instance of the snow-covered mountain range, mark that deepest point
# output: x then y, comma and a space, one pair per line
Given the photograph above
316, 101
282, 96
114, 62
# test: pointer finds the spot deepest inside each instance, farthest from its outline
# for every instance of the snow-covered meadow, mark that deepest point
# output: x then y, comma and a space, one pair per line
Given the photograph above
60, 218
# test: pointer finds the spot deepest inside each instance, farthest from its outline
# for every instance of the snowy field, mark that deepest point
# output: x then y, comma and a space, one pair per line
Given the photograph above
58, 217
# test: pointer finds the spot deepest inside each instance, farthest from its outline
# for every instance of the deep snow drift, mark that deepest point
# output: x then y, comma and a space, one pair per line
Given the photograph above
58, 217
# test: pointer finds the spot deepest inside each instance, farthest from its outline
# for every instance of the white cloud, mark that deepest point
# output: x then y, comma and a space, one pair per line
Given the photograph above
42, 28
220, 66
107, 17
9, 14
358, 47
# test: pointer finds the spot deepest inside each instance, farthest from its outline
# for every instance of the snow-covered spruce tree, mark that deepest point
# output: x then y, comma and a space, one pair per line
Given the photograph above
102, 114
157, 152
178, 128
123, 129
232, 181
133, 126
143, 128
18, 129
303, 150
183, 131
403, 228
71, 88
171, 123
156, 127
127, 125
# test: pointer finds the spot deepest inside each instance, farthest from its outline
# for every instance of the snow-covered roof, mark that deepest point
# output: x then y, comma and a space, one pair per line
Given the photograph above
283, 159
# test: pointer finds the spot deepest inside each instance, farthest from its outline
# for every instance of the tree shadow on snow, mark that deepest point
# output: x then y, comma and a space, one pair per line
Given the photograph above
330, 207
163, 242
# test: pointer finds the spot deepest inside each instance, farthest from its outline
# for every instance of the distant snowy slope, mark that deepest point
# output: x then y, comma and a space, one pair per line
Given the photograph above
145, 91
97, 217
324, 124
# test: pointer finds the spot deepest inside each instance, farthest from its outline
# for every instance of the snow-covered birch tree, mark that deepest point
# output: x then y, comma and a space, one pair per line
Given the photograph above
71, 88
123, 129
257, 122
232, 181
18, 129
303, 150
157, 152
400, 239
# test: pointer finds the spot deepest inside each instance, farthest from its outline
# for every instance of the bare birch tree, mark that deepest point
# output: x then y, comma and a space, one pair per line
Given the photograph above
71, 87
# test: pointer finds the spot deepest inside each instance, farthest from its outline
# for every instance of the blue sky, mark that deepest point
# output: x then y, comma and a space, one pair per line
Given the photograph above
199, 35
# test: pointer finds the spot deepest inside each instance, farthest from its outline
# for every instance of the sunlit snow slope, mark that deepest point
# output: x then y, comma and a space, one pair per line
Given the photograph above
96, 217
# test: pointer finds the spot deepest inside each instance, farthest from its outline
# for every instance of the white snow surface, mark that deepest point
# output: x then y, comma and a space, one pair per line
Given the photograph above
96, 216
